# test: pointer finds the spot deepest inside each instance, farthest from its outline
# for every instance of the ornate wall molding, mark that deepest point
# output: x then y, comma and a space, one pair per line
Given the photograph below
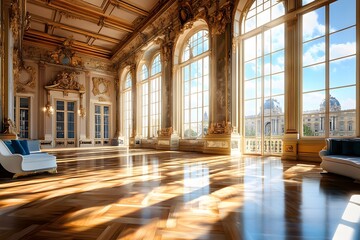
15, 20
66, 82
220, 128
221, 17
101, 86
22, 84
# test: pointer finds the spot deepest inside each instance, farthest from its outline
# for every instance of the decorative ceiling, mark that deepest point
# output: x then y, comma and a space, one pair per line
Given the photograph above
99, 28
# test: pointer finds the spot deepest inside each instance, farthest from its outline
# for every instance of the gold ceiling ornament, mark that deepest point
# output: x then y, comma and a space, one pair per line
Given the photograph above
101, 86
64, 55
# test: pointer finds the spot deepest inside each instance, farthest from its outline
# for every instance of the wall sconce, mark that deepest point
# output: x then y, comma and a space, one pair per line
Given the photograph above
48, 109
82, 112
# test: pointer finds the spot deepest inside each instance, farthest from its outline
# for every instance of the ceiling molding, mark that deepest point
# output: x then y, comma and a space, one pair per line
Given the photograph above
73, 29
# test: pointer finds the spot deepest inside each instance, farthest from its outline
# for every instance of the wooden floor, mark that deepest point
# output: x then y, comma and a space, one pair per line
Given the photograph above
112, 193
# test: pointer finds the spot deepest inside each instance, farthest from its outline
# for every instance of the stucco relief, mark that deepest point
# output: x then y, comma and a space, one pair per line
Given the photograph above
26, 80
101, 86
64, 55
66, 81
221, 18
15, 20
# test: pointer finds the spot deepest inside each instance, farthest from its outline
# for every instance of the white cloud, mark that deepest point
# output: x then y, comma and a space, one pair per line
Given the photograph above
311, 26
315, 54
312, 101
343, 49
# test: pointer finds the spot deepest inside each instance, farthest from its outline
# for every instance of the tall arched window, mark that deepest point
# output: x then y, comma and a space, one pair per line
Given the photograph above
263, 77
329, 68
150, 94
127, 106
195, 84
144, 95
155, 96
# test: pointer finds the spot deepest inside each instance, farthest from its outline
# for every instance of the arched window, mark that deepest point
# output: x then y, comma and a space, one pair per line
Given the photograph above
195, 84
263, 79
144, 95
155, 96
328, 64
127, 106
150, 94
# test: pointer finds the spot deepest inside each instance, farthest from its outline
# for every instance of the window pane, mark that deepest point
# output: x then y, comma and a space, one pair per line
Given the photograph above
314, 78
106, 110
337, 10
343, 72
313, 24
277, 84
343, 43
314, 52
250, 70
60, 105
250, 87
313, 101
24, 102
71, 106
97, 109
278, 62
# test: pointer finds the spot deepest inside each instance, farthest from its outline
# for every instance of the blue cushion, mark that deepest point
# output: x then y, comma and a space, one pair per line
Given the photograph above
18, 148
347, 147
336, 146
24, 144
9, 146
356, 148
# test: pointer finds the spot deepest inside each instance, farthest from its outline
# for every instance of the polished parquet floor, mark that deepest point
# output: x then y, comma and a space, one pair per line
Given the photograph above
114, 193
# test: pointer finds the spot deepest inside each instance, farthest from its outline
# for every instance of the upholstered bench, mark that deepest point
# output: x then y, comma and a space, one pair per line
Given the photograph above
33, 161
342, 156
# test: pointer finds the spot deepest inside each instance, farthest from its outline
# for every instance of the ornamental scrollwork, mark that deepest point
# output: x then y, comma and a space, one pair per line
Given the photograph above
221, 18
64, 55
26, 81
15, 20
101, 86
66, 81
220, 128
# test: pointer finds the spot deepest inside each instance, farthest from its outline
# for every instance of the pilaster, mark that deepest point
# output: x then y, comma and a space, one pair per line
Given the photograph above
291, 137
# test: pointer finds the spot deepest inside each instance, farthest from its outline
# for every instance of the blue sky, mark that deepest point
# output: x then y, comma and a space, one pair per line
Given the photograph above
342, 49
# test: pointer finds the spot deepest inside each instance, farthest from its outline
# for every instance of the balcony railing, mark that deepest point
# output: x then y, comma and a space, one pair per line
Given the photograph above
273, 146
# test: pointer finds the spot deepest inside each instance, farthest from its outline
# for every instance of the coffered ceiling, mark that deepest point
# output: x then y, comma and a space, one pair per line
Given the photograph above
99, 28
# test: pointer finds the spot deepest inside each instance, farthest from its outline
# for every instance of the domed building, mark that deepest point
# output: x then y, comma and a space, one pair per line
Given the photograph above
341, 122
334, 105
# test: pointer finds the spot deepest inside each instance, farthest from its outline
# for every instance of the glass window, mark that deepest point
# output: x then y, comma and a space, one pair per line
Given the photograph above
65, 120
150, 99
22, 116
102, 116
264, 78
127, 106
262, 12
195, 82
329, 66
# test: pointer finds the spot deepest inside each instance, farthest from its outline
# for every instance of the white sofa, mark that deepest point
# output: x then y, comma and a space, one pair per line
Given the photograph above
20, 165
342, 156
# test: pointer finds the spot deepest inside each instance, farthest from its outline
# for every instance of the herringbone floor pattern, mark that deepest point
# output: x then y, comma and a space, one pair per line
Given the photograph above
112, 193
